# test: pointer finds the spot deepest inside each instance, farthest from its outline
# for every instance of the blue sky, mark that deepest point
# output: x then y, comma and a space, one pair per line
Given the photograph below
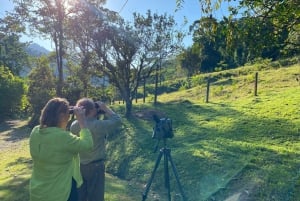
191, 10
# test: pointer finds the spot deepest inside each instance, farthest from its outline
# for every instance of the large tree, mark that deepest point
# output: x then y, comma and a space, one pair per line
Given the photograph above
164, 41
84, 22
48, 19
128, 54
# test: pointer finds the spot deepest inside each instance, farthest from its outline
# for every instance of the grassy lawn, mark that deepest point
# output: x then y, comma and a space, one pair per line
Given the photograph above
16, 167
235, 147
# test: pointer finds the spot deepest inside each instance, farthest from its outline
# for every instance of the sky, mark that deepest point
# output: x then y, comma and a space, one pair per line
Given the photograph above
125, 8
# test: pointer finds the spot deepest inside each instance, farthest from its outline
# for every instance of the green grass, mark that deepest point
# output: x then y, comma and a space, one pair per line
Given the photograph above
16, 167
236, 145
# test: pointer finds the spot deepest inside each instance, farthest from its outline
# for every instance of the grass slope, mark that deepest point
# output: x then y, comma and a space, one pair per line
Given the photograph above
236, 147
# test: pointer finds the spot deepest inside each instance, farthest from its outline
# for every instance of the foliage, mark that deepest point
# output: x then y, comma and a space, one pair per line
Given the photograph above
12, 51
41, 87
84, 22
266, 29
189, 59
128, 54
47, 18
12, 90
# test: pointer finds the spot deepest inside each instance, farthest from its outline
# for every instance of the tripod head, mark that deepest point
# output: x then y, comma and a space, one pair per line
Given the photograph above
157, 143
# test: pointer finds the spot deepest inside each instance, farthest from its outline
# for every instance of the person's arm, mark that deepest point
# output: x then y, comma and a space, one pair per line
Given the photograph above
84, 141
79, 123
107, 111
111, 119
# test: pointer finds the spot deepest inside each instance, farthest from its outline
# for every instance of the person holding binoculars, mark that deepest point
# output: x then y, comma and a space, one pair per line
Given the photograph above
54, 151
92, 163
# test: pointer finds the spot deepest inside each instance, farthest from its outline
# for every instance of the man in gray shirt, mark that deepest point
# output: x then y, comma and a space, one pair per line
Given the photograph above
92, 162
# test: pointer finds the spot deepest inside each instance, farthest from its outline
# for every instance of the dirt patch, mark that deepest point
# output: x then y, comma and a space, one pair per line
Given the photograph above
244, 193
242, 187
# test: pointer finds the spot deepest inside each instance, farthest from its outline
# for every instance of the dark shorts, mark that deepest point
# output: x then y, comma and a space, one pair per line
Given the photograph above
93, 175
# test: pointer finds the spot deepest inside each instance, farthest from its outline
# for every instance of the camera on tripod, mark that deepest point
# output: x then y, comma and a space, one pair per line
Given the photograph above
163, 128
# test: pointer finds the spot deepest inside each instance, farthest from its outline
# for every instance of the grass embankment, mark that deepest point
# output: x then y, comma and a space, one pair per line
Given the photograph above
237, 146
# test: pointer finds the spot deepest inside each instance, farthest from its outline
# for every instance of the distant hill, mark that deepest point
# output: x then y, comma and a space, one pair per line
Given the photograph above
36, 50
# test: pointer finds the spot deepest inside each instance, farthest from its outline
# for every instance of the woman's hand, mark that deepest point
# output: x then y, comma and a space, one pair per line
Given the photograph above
80, 116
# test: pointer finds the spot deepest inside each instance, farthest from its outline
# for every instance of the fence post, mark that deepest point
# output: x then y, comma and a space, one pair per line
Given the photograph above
255, 84
207, 90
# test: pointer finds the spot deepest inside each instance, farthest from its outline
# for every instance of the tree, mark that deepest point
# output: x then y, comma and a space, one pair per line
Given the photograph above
128, 54
282, 16
47, 18
205, 39
164, 41
41, 87
261, 33
12, 51
190, 61
84, 22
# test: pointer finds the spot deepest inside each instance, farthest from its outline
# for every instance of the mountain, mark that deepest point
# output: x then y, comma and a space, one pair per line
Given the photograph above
36, 50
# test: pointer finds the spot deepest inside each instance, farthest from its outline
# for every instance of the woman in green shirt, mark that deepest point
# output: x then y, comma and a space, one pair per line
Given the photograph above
56, 171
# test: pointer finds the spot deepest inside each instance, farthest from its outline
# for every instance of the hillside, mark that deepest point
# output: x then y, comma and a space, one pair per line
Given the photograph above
36, 50
235, 147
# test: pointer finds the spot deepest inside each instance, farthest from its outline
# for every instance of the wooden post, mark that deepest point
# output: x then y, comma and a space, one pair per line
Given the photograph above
144, 89
136, 96
255, 84
207, 90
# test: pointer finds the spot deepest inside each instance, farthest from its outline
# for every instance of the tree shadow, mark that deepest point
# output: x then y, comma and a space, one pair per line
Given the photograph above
214, 157
14, 130
15, 186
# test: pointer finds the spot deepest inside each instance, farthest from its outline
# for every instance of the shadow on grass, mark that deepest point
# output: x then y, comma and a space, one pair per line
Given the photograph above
222, 153
15, 181
14, 130
15, 189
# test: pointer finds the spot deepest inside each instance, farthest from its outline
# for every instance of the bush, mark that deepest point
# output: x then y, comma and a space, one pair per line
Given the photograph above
12, 90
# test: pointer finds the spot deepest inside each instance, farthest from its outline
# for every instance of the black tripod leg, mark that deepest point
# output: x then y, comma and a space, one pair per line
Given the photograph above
152, 176
176, 176
167, 176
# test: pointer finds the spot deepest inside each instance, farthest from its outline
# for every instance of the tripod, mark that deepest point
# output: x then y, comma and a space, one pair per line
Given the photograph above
166, 152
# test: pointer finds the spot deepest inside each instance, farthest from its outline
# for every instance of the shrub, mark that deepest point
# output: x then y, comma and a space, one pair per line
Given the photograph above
12, 90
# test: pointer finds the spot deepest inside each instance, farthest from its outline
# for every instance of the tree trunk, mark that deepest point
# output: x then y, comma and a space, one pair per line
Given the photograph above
144, 90
128, 108
60, 53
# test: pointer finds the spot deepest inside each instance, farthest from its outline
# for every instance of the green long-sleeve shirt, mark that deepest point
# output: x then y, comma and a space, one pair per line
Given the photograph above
55, 161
